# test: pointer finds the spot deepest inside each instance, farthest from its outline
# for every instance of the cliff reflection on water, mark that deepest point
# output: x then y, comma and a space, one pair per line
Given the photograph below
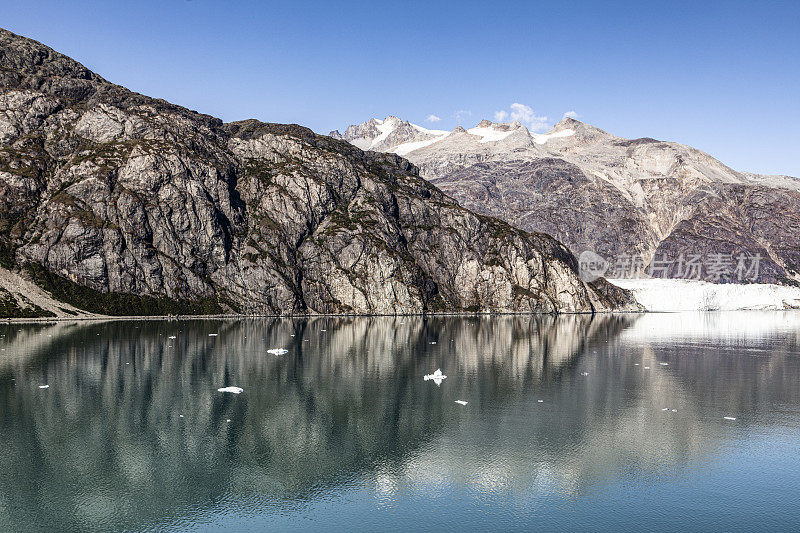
105, 445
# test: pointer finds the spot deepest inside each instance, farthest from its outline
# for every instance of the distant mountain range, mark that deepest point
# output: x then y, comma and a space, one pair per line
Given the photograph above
116, 203
662, 207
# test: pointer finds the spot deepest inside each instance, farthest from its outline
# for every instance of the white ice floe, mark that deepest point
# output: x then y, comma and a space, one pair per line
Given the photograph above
729, 417
44, 386
234, 390
278, 351
672, 295
437, 376
461, 402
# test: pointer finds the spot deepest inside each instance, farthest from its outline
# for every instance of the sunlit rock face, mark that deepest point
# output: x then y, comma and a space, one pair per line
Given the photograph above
133, 433
168, 211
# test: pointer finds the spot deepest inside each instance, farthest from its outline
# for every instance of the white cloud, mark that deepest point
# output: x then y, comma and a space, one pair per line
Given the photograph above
571, 114
433, 118
523, 114
461, 114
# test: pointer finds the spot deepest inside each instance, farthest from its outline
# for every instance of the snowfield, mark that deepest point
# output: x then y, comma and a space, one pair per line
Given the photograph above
667, 295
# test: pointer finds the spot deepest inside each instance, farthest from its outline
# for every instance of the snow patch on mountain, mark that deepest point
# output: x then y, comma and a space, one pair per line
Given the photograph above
541, 138
489, 134
403, 149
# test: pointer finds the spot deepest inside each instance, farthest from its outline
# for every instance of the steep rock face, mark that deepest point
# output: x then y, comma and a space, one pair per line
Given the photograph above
128, 205
636, 200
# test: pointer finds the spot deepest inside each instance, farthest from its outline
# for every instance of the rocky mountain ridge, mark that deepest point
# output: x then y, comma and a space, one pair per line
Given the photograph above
117, 203
638, 203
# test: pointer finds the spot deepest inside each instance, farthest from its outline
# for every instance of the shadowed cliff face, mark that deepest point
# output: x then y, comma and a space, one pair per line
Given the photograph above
124, 204
105, 446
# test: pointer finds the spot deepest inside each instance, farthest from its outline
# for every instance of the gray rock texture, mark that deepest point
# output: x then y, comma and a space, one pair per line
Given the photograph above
130, 205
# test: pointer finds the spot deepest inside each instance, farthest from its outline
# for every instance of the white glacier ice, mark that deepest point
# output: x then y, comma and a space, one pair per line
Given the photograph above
672, 295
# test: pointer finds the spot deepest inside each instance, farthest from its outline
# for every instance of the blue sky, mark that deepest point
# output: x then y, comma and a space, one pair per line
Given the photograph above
721, 76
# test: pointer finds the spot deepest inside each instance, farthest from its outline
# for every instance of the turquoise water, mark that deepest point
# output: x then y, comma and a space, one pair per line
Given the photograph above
564, 426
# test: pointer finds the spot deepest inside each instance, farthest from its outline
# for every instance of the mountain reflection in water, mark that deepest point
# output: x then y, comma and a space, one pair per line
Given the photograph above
557, 407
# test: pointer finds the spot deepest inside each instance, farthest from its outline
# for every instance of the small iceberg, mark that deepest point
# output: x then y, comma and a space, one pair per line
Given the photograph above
278, 351
44, 386
234, 390
437, 376
729, 418
461, 402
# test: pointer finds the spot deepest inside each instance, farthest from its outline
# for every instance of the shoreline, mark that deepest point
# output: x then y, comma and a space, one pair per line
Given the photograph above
103, 318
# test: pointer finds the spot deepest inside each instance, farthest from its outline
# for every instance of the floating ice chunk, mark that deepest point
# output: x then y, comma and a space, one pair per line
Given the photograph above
44, 386
234, 390
213, 334
437, 376
729, 417
278, 351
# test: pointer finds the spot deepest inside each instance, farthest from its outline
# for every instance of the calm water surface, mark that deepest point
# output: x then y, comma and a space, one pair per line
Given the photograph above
565, 426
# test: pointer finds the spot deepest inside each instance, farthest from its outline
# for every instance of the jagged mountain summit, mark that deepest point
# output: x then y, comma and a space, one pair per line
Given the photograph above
118, 203
640, 203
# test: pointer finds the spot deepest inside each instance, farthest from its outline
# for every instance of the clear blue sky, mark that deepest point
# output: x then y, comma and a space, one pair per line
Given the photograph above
721, 76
